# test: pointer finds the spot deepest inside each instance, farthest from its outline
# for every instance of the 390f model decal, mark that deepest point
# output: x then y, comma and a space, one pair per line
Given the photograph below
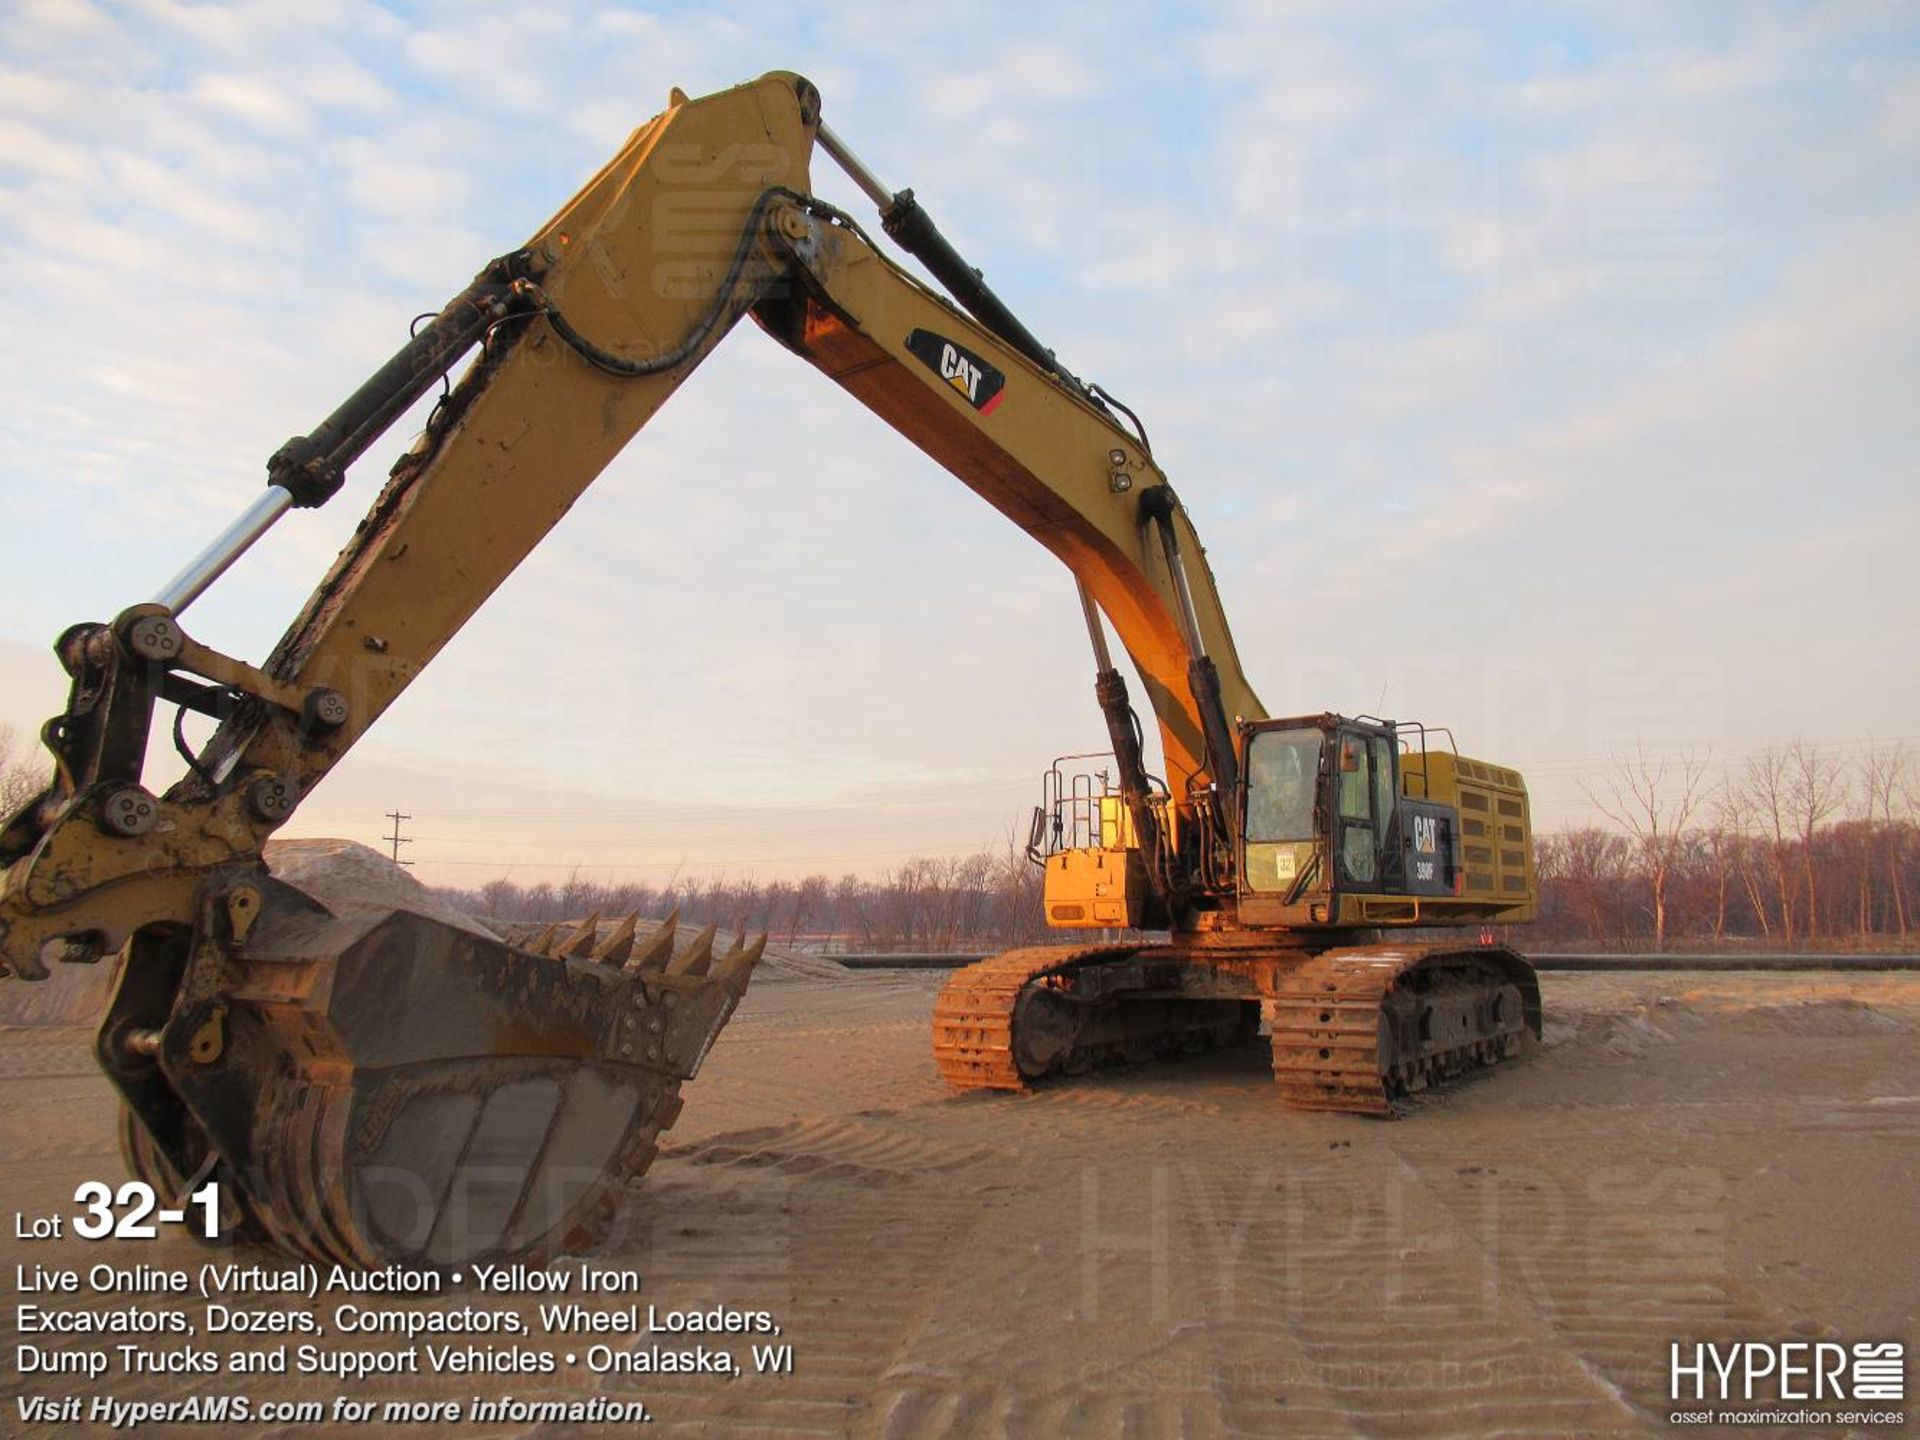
983, 386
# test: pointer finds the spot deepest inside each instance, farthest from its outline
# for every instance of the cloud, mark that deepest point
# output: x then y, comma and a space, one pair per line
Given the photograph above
1444, 326
252, 102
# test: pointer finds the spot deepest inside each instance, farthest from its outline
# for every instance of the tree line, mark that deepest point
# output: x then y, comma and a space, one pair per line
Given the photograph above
1794, 849
974, 902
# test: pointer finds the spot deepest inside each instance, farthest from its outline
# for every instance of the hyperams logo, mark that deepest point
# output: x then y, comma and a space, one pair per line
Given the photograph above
1750, 1381
983, 386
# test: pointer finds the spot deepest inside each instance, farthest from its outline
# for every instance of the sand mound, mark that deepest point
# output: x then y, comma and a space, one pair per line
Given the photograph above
1648, 1025
346, 877
1826, 1019
1662, 1021
350, 878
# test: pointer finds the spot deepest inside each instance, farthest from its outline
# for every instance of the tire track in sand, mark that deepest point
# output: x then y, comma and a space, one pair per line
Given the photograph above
836, 1226
1614, 1261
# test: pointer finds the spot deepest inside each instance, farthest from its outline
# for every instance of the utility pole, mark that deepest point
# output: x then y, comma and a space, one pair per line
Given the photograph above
396, 839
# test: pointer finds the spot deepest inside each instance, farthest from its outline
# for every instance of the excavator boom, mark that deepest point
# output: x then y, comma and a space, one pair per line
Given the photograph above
384, 1087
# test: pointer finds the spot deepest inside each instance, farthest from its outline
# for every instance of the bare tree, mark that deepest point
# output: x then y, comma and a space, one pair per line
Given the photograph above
22, 776
1723, 862
851, 908
808, 896
1653, 801
495, 896
1891, 789
1815, 791
1018, 882
1766, 788
1582, 872
1733, 814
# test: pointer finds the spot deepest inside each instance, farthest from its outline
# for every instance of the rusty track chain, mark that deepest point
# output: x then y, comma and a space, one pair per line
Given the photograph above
1327, 1012
1327, 1032
973, 1016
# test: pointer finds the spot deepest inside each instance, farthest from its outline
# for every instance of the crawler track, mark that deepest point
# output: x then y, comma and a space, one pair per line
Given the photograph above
973, 1017
1355, 1030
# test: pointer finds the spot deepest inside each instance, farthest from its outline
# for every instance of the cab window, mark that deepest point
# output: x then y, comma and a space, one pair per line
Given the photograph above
1283, 768
1355, 801
1355, 784
1383, 796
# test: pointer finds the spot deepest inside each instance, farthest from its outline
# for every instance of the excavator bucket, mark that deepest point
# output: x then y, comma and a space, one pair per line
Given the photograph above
383, 1087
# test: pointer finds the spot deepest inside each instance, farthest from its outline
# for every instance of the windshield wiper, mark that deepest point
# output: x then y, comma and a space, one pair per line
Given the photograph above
1300, 881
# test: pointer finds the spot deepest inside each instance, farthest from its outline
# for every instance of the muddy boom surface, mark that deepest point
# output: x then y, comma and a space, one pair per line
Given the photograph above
1356, 1029
388, 1088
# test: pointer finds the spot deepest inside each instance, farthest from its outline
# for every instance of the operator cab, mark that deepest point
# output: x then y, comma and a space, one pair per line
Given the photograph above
1326, 813
1344, 824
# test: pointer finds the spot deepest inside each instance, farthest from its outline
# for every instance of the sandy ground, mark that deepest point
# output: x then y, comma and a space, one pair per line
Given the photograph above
1165, 1252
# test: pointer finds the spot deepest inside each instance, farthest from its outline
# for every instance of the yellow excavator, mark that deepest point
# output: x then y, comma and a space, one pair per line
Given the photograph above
374, 1087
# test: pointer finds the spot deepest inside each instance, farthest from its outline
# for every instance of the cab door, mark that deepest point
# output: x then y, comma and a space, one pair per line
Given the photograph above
1364, 794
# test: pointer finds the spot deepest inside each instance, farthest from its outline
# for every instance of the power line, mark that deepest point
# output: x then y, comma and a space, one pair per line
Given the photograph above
1711, 756
901, 798
737, 862
1559, 777
397, 839
909, 797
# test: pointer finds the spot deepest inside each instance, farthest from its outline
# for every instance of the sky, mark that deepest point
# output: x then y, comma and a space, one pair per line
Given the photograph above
1546, 372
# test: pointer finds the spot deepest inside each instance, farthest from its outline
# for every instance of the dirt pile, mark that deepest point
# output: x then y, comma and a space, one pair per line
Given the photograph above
342, 875
1659, 1021
350, 878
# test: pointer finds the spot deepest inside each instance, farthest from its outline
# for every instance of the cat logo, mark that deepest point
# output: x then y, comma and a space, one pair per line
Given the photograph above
982, 386
1426, 834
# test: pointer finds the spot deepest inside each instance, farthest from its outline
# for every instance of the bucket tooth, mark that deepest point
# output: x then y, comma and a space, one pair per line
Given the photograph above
699, 955
658, 950
739, 962
543, 942
620, 944
579, 943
